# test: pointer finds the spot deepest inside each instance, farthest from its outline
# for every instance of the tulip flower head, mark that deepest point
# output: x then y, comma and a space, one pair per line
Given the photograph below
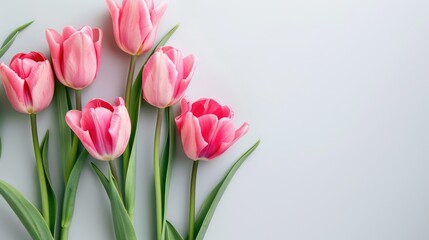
135, 24
75, 55
28, 82
206, 128
166, 76
103, 129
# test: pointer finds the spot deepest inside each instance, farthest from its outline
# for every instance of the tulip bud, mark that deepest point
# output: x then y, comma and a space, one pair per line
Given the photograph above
206, 129
103, 129
29, 82
166, 76
75, 55
135, 24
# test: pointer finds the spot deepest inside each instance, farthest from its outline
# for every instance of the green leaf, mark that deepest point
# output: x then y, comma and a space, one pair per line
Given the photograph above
28, 214
124, 228
70, 191
171, 232
11, 37
130, 184
167, 161
63, 106
209, 206
53, 205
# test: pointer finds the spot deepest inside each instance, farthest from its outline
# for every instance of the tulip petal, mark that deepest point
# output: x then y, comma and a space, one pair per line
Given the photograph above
225, 145
41, 85
189, 64
14, 87
73, 118
97, 38
134, 25
210, 106
192, 140
114, 10
182, 85
159, 76
156, 16
157, 13
222, 139
79, 60
120, 128
208, 124
68, 31
185, 106
97, 102
97, 123
54, 41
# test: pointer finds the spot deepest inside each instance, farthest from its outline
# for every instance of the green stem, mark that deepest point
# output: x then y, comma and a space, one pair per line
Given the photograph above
40, 170
75, 142
78, 94
115, 174
126, 157
192, 200
65, 232
157, 175
130, 81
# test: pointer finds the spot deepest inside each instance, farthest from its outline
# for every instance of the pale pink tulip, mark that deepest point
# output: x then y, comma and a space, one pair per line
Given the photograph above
75, 55
206, 129
135, 24
29, 82
166, 76
103, 129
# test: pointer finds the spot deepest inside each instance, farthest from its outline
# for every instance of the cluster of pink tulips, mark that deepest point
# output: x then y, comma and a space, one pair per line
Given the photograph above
107, 132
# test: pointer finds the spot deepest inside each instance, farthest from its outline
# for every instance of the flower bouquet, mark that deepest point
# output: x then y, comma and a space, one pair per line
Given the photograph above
107, 132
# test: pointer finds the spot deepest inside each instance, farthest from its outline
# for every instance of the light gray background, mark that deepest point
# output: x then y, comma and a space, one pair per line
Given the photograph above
337, 90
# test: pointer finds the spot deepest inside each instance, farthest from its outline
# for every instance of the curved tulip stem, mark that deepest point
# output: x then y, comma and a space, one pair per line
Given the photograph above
130, 81
192, 200
157, 175
75, 141
40, 170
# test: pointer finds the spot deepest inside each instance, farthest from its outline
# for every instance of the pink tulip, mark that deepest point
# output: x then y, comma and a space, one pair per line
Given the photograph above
75, 55
135, 24
166, 76
103, 129
206, 129
29, 82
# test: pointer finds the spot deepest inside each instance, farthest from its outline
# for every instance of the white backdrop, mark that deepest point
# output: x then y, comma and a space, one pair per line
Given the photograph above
337, 91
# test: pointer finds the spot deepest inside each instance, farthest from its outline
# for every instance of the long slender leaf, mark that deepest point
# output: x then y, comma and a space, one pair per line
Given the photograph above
167, 162
209, 206
130, 184
171, 232
71, 189
11, 37
63, 106
53, 204
124, 229
28, 214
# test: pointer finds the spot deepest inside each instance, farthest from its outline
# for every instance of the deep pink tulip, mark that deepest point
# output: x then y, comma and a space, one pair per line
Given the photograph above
103, 129
29, 82
75, 55
206, 128
166, 76
135, 24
